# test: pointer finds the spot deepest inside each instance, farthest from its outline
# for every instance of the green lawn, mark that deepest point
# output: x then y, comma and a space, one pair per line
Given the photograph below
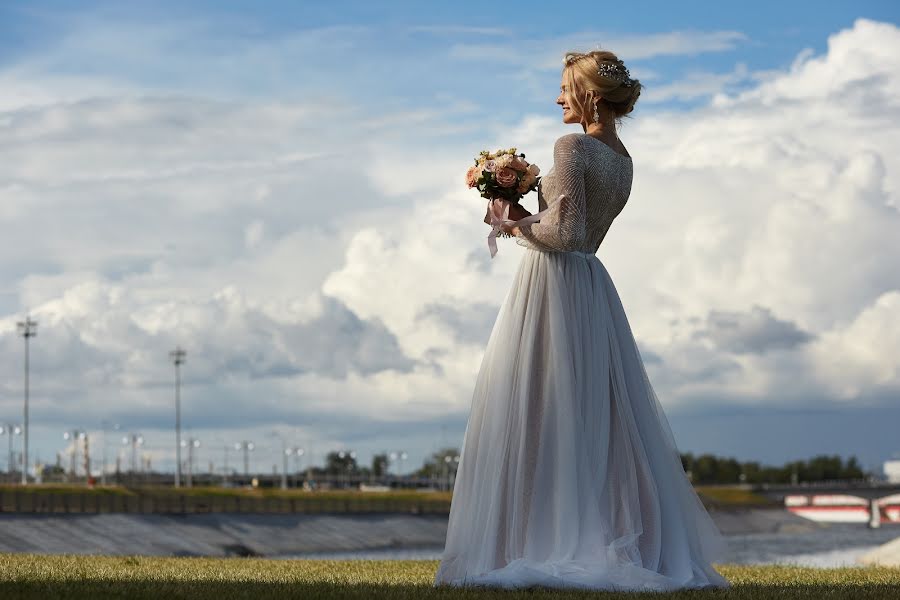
68, 576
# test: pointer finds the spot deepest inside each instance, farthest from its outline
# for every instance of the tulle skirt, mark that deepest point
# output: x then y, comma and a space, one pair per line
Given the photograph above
569, 475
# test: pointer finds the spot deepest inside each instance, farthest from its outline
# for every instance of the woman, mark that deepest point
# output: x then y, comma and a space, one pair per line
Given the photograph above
569, 475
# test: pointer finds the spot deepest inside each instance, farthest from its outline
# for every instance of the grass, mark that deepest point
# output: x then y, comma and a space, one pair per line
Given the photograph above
31, 576
723, 495
734, 496
50, 497
113, 498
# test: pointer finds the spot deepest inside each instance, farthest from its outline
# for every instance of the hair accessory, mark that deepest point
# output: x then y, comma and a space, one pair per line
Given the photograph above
616, 72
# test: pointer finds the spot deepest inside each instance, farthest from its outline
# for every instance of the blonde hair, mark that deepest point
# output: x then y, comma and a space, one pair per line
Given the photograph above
582, 78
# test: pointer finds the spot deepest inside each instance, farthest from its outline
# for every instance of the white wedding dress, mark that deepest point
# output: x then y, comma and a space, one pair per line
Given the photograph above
569, 476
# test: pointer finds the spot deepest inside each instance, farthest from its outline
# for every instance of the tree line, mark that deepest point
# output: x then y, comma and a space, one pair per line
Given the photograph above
702, 469
708, 468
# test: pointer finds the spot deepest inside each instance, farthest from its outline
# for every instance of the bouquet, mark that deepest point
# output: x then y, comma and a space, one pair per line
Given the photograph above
503, 177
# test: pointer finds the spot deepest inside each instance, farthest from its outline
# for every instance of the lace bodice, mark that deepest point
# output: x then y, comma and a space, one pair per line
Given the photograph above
587, 188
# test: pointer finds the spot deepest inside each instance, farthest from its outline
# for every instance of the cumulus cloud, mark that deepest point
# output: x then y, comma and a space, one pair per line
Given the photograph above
337, 283
755, 331
759, 229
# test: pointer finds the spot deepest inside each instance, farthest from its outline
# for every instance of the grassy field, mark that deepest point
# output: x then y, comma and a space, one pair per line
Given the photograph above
722, 493
112, 498
724, 496
67, 576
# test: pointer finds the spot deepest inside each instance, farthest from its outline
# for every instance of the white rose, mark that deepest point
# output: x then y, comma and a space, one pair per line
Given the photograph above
504, 160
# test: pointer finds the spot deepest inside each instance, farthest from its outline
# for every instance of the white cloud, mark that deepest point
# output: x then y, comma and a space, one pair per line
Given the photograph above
324, 264
761, 204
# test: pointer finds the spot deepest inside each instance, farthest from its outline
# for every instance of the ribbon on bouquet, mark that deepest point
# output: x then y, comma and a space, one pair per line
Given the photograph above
500, 217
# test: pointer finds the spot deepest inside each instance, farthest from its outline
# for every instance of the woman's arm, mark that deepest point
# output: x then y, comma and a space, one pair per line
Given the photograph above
564, 227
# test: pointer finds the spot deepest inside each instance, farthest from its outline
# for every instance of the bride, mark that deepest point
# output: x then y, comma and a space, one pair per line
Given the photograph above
569, 475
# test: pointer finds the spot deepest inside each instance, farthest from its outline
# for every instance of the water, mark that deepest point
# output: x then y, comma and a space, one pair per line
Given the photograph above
838, 544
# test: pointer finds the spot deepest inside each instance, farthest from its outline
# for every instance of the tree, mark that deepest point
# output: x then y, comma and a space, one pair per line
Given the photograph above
379, 464
336, 464
434, 466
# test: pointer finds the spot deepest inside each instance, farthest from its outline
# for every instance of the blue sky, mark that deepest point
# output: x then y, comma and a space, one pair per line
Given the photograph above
252, 183
759, 35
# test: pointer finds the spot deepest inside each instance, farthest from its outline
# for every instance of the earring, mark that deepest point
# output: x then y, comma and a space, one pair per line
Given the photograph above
596, 115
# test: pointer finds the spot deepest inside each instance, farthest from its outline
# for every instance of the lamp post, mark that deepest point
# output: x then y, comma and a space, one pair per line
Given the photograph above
296, 453
246, 447
104, 425
10, 430
285, 452
448, 459
225, 468
178, 355
401, 456
135, 439
75, 436
352, 455
190, 444
27, 329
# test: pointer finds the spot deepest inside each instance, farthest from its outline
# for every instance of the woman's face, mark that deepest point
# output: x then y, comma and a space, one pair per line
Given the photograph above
571, 113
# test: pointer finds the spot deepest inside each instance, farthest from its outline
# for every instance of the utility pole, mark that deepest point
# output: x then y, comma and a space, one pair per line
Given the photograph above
178, 356
27, 329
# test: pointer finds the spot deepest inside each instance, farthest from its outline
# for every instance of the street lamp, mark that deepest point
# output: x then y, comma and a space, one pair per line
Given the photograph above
225, 468
177, 355
246, 447
135, 439
448, 459
401, 456
103, 426
10, 430
352, 455
27, 329
297, 453
75, 436
190, 444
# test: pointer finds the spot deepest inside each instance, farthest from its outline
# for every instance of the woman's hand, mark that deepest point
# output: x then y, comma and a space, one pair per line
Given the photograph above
516, 212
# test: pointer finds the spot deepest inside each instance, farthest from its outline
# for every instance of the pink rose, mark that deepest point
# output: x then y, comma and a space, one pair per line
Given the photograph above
534, 169
506, 177
518, 163
490, 166
472, 176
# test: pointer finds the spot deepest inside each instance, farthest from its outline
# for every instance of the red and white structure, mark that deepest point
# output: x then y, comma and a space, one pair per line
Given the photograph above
845, 508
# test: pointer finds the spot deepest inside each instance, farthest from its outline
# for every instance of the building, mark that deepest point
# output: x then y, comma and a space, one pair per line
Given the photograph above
892, 471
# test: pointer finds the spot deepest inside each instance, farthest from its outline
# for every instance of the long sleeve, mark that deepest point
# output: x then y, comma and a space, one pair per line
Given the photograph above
564, 227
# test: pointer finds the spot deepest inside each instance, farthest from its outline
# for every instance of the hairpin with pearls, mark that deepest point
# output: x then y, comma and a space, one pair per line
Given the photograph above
616, 72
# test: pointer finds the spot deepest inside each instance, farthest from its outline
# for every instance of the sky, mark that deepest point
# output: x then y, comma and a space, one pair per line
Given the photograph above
279, 190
